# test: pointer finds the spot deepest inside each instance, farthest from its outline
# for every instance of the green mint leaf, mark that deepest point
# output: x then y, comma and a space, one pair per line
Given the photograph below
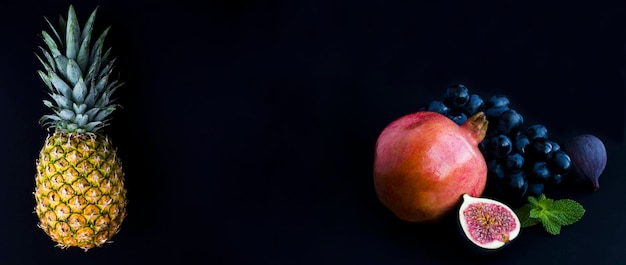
544, 202
552, 214
523, 213
550, 225
541, 197
540, 206
536, 213
567, 211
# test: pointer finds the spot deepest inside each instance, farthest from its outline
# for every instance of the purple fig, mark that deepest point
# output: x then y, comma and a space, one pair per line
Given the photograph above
588, 156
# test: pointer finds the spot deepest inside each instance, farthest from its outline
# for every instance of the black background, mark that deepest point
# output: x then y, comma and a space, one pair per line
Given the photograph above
248, 127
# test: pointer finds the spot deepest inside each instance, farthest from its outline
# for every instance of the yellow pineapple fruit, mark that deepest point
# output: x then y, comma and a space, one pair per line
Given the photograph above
79, 186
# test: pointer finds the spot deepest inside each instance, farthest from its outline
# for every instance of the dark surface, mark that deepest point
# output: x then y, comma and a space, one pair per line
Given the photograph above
248, 127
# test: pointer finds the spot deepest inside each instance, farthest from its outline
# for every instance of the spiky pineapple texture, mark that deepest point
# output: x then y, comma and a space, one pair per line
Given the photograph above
79, 190
79, 186
78, 76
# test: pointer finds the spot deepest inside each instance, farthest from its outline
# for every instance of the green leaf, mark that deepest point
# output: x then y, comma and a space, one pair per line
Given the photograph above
552, 214
103, 113
96, 50
48, 103
52, 45
550, 225
66, 114
72, 35
544, 202
93, 70
60, 62
567, 211
46, 79
536, 213
46, 64
90, 127
62, 28
73, 72
91, 113
81, 120
105, 58
54, 30
523, 213
80, 91
88, 27
60, 85
83, 52
100, 85
60, 100
71, 127
107, 69
49, 117
80, 109
530, 222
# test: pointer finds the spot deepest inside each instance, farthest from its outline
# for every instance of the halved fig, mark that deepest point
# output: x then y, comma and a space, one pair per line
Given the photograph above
487, 224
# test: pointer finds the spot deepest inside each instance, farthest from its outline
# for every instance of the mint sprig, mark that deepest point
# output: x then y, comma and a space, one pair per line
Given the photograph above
552, 214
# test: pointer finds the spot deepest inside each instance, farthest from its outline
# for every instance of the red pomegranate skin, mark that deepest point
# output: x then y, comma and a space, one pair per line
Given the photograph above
424, 163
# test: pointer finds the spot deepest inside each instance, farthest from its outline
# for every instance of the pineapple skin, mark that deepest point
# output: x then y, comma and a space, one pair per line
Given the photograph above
79, 190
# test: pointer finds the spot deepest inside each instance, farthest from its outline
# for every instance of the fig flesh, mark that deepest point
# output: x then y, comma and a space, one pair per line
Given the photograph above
588, 155
487, 224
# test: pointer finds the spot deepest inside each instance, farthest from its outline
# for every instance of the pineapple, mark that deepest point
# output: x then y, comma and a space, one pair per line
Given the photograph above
79, 185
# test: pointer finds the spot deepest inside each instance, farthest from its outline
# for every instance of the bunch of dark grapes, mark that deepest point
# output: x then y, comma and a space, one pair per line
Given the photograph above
521, 161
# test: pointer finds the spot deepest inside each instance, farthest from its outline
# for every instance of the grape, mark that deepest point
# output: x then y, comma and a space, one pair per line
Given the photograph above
457, 116
515, 183
540, 172
474, 105
510, 122
537, 131
500, 146
520, 143
497, 102
555, 179
513, 161
456, 96
520, 161
535, 188
560, 162
495, 170
539, 149
495, 113
439, 107
482, 146
555, 147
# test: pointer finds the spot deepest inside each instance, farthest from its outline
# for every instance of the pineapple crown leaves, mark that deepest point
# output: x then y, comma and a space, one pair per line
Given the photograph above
78, 75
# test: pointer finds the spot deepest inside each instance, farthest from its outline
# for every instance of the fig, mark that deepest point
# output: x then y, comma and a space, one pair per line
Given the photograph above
424, 162
486, 224
588, 158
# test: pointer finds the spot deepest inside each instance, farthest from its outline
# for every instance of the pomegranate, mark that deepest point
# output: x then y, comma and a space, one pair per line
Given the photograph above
424, 163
